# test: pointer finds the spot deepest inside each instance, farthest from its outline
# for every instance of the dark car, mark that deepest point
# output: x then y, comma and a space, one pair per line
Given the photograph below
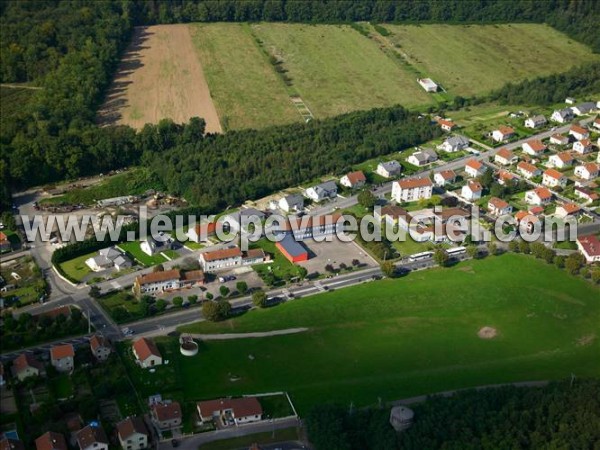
174, 442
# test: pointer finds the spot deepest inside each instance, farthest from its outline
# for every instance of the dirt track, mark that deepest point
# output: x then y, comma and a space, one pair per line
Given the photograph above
159, 77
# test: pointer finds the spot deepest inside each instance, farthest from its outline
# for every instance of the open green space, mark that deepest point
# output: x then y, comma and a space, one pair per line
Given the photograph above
276, 406
402, 337
27, 287
62, 387
246, 90
122, 306
135, 250
280, 267
76, 268
335, 69
474, 59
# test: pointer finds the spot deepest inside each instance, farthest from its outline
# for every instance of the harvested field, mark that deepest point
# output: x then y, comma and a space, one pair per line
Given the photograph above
159, 77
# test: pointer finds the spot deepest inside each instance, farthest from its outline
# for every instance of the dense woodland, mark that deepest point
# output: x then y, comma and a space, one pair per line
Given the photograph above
557, 416
71, 48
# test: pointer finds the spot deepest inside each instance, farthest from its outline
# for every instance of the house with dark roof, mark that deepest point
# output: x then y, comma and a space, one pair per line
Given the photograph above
92, 438
230, 411
133, 433
322, 191
293, 250
166, 416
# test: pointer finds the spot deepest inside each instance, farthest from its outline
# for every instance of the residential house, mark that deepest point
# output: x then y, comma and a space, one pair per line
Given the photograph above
589, 246
354, 180
241, 410
412, 189
503, 134
201, 232
5, 244
309, 227
389, 169
156, 282
596, 123
562, 115
587, 171
422, 158
92, 438
525, 220
166, 416
9, 443
534, 147
393, 215
583, 147
561, 160
428, 84
567, 209
535, 121
151, 246
446, 125
51, 441
62, 357
505, 157
290, 203
26, 365
474, 168
133, 433
455, 144
570, 101
322, 191
583, 108
228, 258
100, 347
107, 258
471, 191
527, 170
559, 139
538, 196
579, 132
146, 353
505, 178
586, 194
443, 177
553, 178
498, 207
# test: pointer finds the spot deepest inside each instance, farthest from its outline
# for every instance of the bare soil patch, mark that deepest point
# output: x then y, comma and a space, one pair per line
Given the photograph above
159, 77
487, 333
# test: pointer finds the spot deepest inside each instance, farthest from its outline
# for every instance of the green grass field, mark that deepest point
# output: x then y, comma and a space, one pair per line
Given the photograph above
123, 300
246, 90
134, 249
281, 267
336, 70
397, 338
76, 269
474, 59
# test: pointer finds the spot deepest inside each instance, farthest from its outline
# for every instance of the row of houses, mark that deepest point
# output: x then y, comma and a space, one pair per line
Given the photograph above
167, 280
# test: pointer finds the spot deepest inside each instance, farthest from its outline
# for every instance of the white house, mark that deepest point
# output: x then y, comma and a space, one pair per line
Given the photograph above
422, 158
553, 178
241, 410
389, 169
412, 189
589, 246
446, 125
586, 194
562, 115
166, 416
62, 357
579, 132
155, 282
583, 108
132, 433
293, 202
559, 139
428, 84
567, 209
108, 258
503, 134
227, 258
535, 121
587, 171
539, 196
505, 157
151, 246
561, 160
92, 438
505, 178
583, 147
100, 347
527, 170
322, 191
570, 101
443, 177
146, 353
471, 191
26, 365
455, 144
474, 168
534, 147
354, 180
596, 123
498, 207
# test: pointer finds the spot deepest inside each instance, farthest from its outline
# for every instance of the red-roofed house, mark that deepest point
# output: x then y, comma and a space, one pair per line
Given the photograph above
412, 189
202, 231
166, 415
553, 178
538, 196
534, 147
62, 357
526, 220
132, 433
474, 168
579, 132
471, 191
589, 246
503, 134
92, 438
26, 365
505, 178
561, 160
446, 125
147, 354
354, 180
100, 347
583, 147
559, 139
498, 207
567, 209
505, 157
443, 177
587, 194
527, 170
4, 242
51, 441
241, 410
587, 171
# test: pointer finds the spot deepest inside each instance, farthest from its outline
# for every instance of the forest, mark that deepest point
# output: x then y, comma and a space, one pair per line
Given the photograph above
559, 415
70, 48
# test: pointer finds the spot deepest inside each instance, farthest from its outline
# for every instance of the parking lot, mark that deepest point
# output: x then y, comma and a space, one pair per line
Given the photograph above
335, 253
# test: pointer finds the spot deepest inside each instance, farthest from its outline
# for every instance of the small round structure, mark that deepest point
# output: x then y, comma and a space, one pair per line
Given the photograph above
187, 346
401, 417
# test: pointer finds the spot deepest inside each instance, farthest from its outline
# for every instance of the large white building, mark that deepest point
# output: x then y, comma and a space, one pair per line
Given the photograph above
412, 189
229, 258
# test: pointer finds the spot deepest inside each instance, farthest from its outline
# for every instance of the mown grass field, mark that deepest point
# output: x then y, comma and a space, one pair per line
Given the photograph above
335, 69
76, 269
135, 250
246, 90
397, 338
474, 59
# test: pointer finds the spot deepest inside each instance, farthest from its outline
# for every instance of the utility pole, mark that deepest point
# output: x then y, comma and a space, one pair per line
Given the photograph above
89, 321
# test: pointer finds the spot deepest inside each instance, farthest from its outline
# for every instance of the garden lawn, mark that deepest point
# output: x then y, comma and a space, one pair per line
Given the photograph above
403, 337
122, 300
280, 266
134, 249
76, 268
